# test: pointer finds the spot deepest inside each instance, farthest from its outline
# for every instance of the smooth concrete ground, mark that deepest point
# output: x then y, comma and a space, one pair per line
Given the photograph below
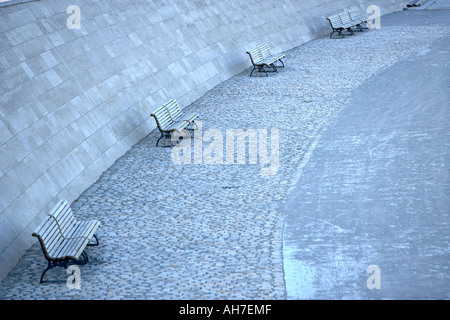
362, 181
372, 205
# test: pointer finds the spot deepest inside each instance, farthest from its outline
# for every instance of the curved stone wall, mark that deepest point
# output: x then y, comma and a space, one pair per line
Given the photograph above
72, 101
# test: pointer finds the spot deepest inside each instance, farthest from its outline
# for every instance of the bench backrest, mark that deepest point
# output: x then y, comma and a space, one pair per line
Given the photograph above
167, 114
335, 21
265, 50
174, 109
50, 236
162, 117
345, 18
63, 214
255, 55
354, 14
259, 53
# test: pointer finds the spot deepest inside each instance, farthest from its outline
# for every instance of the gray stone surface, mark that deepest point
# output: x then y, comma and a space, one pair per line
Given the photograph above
77, 99
376, 190
431, 5
202, 231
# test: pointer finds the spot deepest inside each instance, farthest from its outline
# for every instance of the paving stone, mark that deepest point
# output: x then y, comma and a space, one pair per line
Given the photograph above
203, 231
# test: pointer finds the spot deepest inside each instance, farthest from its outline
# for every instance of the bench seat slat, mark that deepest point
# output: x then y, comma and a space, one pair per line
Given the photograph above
70, 249
84, 229
190, 116
63, 250
180, 125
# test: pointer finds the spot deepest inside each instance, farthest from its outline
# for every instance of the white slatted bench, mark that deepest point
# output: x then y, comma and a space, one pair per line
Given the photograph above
261, 58
346, 20
63, 238
337, 25
169, 118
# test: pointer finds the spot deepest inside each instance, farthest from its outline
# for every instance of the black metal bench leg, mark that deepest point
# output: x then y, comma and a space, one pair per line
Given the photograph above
162, 135
261, 69
339, 32
94, 244
86, 259
49, 266
53, 264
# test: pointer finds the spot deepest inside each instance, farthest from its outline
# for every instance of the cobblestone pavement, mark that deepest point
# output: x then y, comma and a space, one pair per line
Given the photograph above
204, 231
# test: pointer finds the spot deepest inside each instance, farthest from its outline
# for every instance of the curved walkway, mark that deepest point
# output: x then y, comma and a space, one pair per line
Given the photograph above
215, 231
369, 218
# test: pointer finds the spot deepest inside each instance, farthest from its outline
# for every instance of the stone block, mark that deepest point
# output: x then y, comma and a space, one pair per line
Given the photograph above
23, 33
7, 233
